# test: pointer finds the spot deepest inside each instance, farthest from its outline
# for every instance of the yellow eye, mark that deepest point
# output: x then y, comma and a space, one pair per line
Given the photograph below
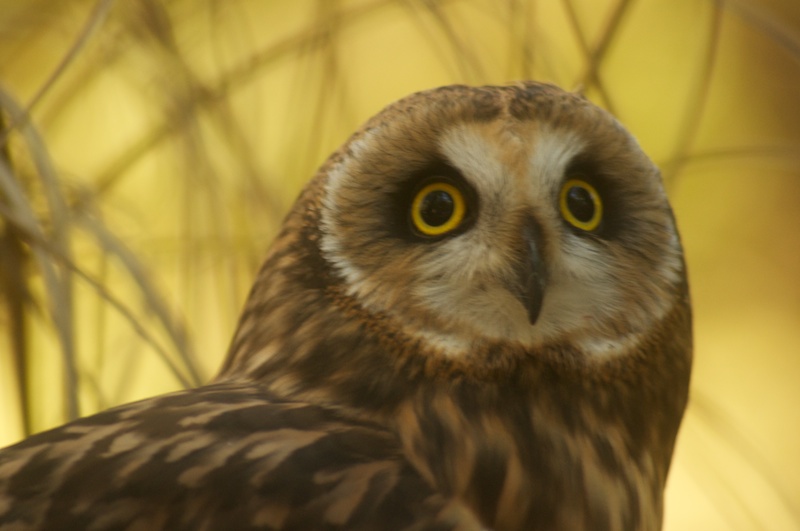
437, 209
581, 205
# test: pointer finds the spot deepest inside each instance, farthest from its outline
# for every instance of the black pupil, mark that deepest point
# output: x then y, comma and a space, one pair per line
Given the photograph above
437, 208
580, 203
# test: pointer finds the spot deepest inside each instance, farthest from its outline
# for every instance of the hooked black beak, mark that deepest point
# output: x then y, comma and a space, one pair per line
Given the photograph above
531, 271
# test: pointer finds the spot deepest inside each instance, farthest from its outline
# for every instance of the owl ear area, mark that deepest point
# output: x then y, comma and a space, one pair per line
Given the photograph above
438, 208
580, 204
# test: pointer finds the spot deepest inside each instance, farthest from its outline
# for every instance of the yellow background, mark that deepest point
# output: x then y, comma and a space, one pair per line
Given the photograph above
164, 141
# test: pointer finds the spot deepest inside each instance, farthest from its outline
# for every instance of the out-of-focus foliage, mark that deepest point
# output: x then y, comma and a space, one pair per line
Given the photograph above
149, 149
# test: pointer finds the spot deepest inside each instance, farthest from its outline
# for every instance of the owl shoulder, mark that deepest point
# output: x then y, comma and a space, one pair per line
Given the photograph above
218, 457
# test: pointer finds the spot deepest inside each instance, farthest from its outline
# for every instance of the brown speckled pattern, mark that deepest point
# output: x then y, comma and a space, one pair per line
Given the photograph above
328, 414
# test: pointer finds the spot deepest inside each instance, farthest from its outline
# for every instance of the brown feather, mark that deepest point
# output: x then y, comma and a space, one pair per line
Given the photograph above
353, 398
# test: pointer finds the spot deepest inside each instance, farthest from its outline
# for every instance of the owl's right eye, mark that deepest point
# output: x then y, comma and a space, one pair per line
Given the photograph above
437, 209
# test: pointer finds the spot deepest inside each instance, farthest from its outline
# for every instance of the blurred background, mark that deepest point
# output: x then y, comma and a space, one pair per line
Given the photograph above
149, 150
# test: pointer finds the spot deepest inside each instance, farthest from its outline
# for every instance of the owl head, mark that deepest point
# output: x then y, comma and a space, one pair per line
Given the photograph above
473, 226
521, 215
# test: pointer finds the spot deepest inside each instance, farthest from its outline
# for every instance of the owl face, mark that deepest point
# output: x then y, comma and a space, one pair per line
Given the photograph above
470, 216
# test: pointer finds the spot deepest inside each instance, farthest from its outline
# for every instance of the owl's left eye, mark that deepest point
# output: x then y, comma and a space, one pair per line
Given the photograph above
438, 208
581, 205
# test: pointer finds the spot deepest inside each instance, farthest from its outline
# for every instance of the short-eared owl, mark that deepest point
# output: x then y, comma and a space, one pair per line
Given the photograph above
476, 316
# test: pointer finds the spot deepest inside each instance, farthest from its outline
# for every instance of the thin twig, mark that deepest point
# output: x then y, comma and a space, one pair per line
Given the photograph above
758, 14
58, 282
693, 110
96, 19
12, 284
236, 77
590, 74
39, 242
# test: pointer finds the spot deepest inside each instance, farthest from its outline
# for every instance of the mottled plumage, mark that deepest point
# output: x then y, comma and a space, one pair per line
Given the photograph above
476, 316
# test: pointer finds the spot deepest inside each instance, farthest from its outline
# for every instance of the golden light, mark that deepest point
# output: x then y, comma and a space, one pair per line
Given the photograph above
153, 148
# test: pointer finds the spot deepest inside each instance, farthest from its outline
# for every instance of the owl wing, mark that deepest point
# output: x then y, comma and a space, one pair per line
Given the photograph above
218, 457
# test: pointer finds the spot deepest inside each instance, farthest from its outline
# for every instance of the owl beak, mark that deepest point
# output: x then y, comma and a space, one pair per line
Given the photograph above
531, 273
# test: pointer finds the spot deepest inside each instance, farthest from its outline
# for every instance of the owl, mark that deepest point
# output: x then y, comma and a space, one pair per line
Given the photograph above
476, 316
